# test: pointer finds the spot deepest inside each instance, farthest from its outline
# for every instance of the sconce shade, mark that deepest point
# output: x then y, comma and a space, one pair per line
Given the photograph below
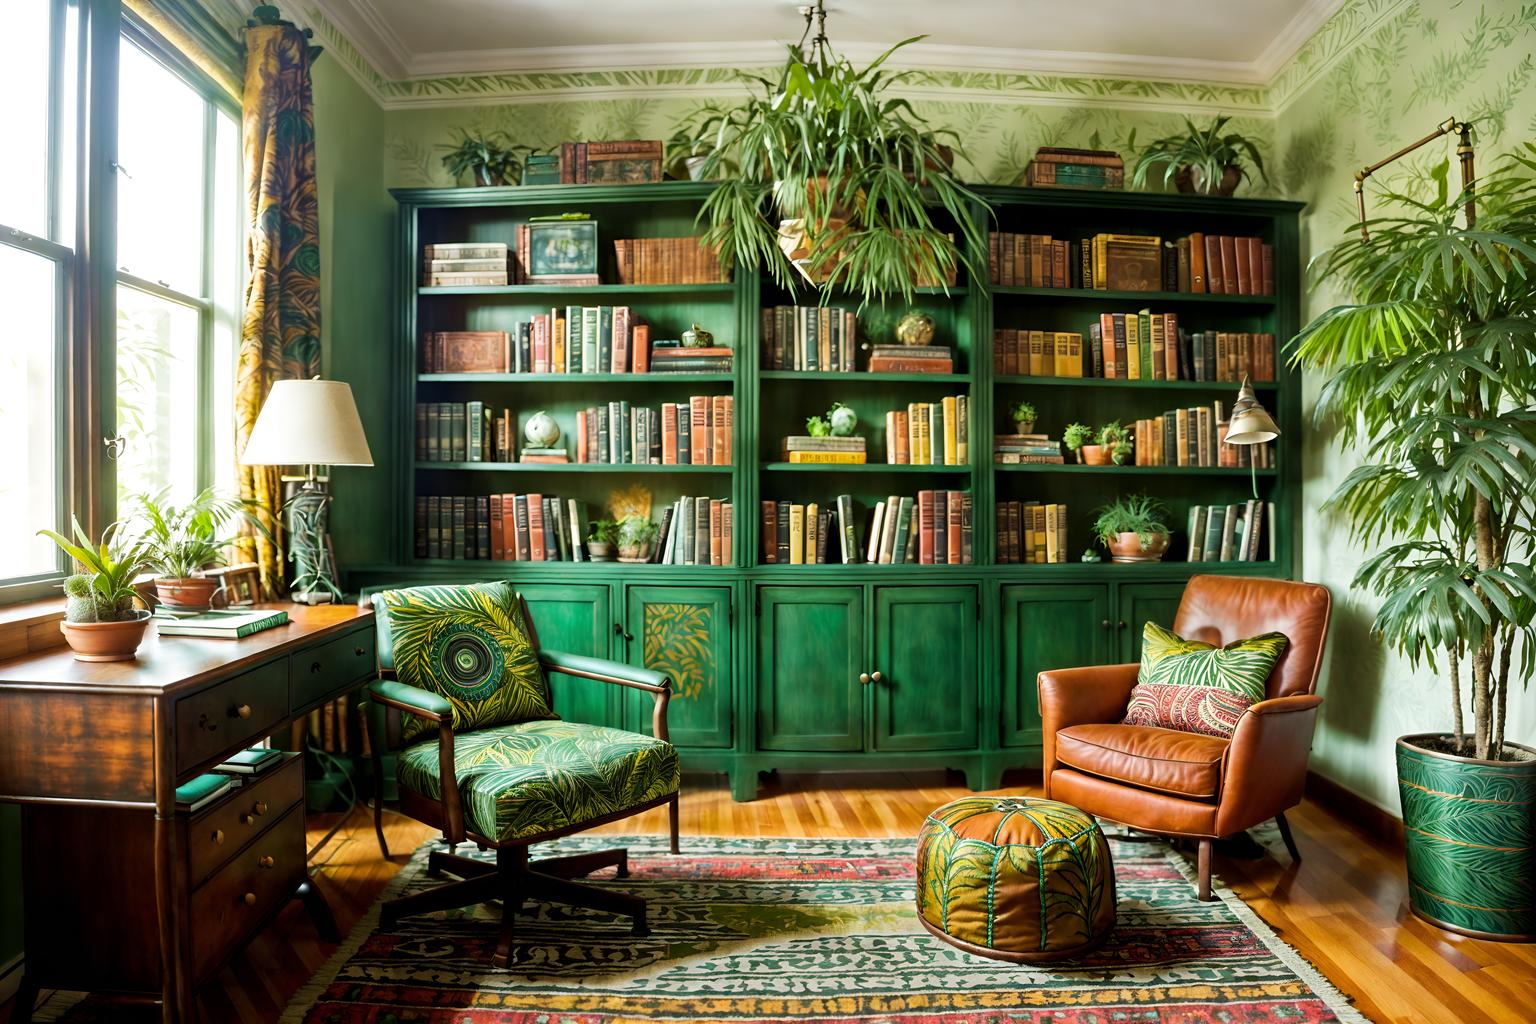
308, 423
1250, 423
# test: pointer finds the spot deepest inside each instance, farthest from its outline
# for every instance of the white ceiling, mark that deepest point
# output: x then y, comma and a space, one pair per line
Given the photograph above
1242, 41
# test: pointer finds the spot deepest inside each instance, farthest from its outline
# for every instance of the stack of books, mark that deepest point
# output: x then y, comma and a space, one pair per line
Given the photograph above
823, 339
929, 433
1023, 449
1075, 168
696, 432
543, 455
615, 162
668, 261
460, 264
1037, 353
202, 791
1030, 261
696, 531
671, 357
1031, 532
803, 450
252, 761
1232, 533
810, 534
911, 359
218, 624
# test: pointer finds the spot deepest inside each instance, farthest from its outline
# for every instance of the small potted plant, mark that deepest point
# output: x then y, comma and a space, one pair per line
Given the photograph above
490, 157
1200, 160
1113, 445
636, 534
1077, 437
180, 541
1134, 529
1023, 416
101, 619
602, 536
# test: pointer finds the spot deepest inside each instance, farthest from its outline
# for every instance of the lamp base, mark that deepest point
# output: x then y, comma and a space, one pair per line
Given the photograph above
311, 597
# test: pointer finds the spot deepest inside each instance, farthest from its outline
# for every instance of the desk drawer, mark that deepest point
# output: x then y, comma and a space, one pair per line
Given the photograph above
332, 668
244, 894
219, 832
231, 714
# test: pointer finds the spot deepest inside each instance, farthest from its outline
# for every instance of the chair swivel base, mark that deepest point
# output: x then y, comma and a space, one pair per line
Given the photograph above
514, 880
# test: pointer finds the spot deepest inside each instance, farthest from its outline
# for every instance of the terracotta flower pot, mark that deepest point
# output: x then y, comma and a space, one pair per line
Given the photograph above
190, 593
106, 641
1126, 547
635, 553
1024, 426
600, 551
1096, 454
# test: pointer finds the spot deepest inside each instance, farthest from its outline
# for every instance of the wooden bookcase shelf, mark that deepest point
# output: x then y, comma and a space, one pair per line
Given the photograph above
766, 656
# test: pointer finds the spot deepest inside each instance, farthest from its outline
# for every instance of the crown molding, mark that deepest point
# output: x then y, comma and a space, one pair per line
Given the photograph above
370, 34
1297, 33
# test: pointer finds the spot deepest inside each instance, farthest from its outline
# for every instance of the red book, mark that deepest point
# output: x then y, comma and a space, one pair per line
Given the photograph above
952, 528
541, 344
1107, 344
1229, 264
698, 412
925, 527
581, 437
669, 433
729, 458
1244, 268
620, 339
536, 527
498, 551
1267, 268
1256, 263
770, 530
640, 345
1215, 282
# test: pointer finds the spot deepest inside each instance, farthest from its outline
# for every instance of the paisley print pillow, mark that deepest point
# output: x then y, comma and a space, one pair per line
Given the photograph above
1192, 686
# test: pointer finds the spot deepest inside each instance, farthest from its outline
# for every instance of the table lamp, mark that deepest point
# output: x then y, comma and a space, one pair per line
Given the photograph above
309, 423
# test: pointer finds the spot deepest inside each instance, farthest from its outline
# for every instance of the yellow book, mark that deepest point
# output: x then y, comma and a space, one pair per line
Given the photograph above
811, 540
797, 535
914, 456
560, 365
1037, 524
1060, 354
1133, 347
951, 410
1052, 537
1074, 355
1035, 341
826, 458
920, 453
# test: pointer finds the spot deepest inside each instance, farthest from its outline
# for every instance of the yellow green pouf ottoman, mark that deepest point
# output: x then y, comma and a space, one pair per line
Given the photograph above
1015, 878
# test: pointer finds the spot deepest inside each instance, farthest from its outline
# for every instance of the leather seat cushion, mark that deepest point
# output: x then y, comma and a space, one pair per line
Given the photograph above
1184, 764
527, 778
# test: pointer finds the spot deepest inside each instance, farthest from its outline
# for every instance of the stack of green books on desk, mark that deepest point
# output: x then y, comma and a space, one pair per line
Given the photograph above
226, 625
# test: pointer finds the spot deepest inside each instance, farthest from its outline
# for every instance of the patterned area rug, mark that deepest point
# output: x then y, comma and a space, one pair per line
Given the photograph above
748, 930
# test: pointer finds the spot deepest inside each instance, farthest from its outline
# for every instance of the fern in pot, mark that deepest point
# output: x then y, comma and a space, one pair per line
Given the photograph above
181, 541
1134, 529
102, 619
835, 180
1431, 376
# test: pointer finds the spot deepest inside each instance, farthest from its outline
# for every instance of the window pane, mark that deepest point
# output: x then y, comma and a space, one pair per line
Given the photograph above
157, 409
226, 260
24, 116
160, 195
29, 416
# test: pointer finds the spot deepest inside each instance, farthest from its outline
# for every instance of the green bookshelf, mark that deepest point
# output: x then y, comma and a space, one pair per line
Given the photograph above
779, 687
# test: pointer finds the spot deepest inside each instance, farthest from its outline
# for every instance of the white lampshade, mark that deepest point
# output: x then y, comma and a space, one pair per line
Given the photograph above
308, 423
1250, 422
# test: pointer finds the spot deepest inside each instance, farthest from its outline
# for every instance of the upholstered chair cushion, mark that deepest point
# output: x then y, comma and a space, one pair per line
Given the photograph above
468, 644
1197, 687
528, 778
1184, 764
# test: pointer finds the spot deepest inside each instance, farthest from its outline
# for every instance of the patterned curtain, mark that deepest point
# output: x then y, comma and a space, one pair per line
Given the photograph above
280, 329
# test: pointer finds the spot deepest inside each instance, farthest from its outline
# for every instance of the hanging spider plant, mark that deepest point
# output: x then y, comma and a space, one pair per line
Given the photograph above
1201, 160
834, 180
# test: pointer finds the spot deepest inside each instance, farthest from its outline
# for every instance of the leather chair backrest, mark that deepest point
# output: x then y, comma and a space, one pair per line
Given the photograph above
1221, 609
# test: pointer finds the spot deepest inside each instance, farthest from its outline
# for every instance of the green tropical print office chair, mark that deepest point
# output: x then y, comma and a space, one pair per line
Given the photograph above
482, 756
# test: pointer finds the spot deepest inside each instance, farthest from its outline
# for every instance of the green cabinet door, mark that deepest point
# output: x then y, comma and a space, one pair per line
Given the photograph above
1044, 627
925, 653
1137, 604
686, 633
576, 619
810, 642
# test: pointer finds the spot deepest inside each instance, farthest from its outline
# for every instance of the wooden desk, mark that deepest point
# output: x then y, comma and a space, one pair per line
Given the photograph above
124, 894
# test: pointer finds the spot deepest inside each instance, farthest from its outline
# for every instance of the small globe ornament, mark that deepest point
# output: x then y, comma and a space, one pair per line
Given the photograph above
915, 329
541, 430
697, 337
842, 420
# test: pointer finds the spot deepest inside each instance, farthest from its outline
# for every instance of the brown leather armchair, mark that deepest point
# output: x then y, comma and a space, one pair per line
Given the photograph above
1187, 784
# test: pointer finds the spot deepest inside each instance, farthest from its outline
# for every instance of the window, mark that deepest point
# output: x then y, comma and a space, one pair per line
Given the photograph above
36, 281
177, 281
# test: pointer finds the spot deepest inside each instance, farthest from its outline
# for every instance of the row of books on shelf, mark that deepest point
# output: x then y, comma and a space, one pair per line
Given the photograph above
1241, 532
500, 527
684, 260
696, 531
1020, 449
1031, 532
930, 528
693, 433
1195, 437
929, 433
611, 162
579, 339
463, 432
823, 338
330, 729
1197, 263
1136, 346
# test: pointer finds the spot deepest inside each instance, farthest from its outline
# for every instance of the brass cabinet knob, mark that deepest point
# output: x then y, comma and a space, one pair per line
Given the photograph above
876, 676
260, 807
314, 667
249, 899
1121, 624
864, 678
265, 862
217, 837
247, 819
243, 711
1106, 624
359, 651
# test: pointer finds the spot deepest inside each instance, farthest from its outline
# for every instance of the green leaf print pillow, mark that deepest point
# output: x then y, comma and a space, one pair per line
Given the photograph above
470, 645
1192, 686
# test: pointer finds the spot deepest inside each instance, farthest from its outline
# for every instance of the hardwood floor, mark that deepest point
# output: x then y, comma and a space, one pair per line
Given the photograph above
1344, 908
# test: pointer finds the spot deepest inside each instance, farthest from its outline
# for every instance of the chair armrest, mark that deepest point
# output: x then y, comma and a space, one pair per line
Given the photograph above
410, 699
1079, 696
1266, 763
619, 674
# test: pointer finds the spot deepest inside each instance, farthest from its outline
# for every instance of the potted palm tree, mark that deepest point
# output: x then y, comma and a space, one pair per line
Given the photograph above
1432, 366
181, 541
102, 621
833, 179
1201, 160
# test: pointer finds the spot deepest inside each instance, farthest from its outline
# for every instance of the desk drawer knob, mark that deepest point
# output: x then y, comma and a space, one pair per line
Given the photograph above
265, 862
359, 651
243, 711
260, 807
249, 899
247, 819
314, 667
217, 837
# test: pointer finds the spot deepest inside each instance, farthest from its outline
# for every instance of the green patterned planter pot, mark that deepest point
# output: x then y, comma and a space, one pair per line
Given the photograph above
1015, 878
1470, 829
